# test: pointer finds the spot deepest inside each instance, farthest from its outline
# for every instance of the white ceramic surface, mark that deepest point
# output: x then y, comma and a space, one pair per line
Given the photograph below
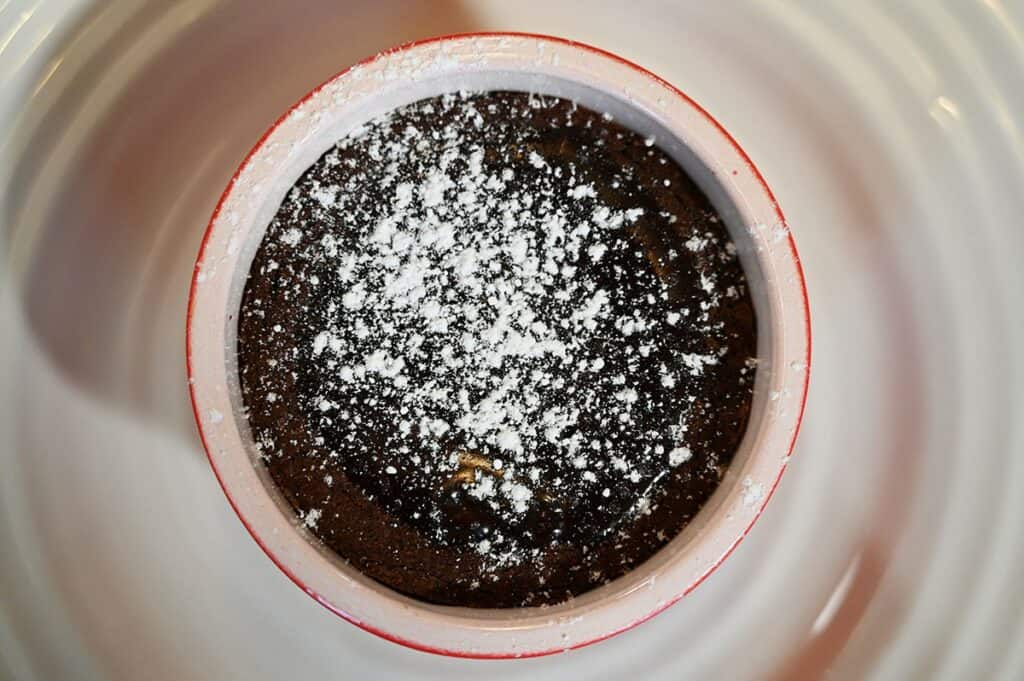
636, 99
891, 132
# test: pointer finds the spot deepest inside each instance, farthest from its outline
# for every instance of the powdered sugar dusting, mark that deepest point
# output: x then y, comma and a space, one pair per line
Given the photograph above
497, 327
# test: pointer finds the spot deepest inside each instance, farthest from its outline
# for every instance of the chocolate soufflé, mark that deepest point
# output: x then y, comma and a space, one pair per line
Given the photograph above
496, 349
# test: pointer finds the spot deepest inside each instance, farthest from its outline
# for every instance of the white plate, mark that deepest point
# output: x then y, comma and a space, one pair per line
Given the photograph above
892, 134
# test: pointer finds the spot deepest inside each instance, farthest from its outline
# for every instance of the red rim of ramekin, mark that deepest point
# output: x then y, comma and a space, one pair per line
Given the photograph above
750, 166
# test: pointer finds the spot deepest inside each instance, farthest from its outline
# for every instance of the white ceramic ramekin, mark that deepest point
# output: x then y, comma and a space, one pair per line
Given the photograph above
639, 100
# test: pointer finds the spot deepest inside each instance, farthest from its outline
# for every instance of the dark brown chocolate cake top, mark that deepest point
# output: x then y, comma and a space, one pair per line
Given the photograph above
496, 349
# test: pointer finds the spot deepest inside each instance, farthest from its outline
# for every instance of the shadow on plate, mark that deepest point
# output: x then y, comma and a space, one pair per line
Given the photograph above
107, 275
